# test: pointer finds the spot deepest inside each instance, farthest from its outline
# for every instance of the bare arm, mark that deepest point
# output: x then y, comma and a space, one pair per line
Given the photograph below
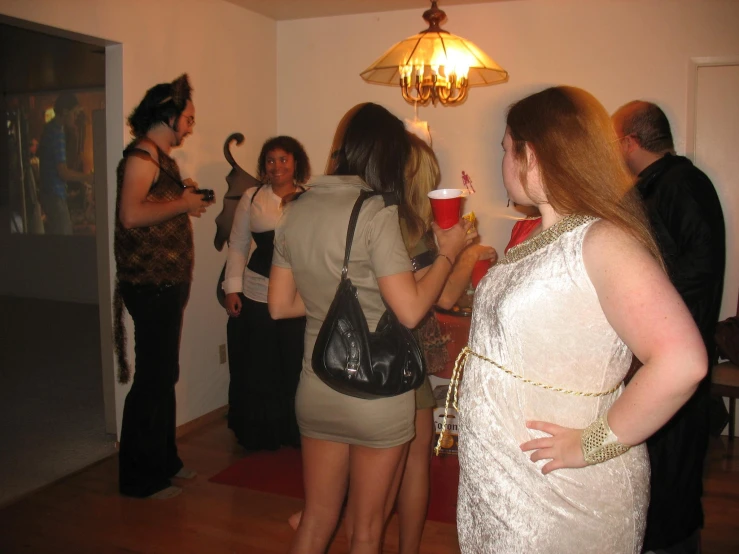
409, 299
283, 298
138, 210
648, 314
650, 317
456, 284
68, 174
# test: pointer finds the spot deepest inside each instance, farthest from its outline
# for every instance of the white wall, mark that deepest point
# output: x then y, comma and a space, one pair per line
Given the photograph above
618, 50
230, 55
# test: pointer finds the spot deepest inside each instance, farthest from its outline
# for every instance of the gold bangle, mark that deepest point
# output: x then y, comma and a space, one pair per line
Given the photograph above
599, 443
448, 259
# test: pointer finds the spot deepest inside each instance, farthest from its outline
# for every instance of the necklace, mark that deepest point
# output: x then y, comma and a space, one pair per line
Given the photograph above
546, 237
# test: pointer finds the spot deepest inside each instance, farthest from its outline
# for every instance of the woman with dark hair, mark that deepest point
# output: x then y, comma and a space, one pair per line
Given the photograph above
349, 442
265, 355
551, 443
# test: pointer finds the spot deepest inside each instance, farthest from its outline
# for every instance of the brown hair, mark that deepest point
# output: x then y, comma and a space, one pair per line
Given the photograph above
581, 167
372, 143
422, 175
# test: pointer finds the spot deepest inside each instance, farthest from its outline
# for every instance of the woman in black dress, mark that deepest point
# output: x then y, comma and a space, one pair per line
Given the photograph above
265, 355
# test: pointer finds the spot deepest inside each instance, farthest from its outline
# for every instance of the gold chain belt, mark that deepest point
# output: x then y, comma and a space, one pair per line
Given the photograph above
453, 391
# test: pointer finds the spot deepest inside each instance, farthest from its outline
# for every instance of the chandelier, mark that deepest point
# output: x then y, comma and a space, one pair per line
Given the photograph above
434, 65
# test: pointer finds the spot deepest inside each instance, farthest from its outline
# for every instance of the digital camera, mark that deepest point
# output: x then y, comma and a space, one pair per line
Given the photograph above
208, 194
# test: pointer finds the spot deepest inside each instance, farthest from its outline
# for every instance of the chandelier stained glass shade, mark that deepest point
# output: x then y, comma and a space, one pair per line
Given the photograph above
435, 65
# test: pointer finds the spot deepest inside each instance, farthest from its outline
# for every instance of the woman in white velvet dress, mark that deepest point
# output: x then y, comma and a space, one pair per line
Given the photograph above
553, 328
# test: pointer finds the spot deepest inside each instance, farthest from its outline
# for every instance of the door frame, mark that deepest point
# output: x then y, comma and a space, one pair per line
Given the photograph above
693, 66
105, 192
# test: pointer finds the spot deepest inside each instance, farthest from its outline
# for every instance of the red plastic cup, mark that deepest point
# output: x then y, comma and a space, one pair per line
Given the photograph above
446, 205
479, 270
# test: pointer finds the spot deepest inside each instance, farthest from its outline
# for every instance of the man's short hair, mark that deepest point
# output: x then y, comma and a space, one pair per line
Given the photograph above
648, 123
65, 102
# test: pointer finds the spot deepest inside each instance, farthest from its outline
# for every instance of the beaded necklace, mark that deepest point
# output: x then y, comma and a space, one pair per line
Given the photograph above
546, 237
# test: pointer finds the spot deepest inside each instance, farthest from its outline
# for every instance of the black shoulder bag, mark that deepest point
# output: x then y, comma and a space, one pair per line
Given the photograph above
352, 360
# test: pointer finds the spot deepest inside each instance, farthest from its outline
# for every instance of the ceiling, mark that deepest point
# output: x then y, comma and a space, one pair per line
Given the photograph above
282, 10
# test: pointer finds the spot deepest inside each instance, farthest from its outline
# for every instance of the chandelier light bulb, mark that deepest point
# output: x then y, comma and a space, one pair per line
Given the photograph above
445, 65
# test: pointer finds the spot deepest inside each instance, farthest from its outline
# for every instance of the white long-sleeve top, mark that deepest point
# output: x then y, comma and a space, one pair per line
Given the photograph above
251, 217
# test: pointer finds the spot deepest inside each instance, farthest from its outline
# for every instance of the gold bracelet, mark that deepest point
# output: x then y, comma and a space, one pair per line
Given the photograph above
599, 443
448, 259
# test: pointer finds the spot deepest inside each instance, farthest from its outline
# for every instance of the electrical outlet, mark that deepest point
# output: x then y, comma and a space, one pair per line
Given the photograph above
222, 353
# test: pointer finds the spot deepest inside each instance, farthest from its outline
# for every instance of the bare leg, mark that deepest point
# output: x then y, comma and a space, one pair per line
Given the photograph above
325, 476
413, 497
373, 486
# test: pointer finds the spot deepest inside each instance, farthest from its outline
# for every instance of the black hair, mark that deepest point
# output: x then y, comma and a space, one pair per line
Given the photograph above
291, 146
65, 102
161, 103
374, 146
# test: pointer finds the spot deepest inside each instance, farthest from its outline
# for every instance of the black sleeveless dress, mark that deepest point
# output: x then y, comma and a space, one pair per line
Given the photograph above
265, 358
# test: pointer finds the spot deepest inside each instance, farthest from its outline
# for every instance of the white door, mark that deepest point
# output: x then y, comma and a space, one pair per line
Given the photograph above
717, 154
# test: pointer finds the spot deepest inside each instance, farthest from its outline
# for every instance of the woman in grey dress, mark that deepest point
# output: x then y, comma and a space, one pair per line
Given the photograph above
349, 442
551, 443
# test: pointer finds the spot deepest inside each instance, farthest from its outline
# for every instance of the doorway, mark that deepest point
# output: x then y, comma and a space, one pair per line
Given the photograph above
712, 143
57, 405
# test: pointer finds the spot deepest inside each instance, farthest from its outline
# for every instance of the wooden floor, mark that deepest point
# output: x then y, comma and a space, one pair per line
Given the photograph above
83, 513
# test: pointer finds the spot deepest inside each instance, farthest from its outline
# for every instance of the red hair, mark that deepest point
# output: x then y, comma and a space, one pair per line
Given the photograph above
581, 166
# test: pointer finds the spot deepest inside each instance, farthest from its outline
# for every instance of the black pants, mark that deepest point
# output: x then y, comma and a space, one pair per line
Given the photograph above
148, 453
677, 453
265, 359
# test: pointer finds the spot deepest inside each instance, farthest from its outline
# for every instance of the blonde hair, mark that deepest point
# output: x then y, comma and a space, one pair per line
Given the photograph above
422, 175
577, 151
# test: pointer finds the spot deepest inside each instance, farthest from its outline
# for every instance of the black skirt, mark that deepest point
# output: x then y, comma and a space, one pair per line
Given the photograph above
265, 359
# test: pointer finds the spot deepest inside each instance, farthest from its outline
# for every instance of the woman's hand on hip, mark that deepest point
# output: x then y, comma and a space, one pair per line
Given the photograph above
563, 448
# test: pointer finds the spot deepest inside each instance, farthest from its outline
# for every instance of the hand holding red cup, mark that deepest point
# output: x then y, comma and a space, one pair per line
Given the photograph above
446, 205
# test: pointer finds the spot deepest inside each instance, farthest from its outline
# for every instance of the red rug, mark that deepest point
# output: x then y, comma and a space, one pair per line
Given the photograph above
281, 472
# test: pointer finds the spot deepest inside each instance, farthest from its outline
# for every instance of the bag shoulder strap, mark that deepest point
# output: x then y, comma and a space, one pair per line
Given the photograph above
390, 199
350, 231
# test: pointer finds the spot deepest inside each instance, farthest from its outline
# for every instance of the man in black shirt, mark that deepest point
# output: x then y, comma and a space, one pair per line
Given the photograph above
688, 224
